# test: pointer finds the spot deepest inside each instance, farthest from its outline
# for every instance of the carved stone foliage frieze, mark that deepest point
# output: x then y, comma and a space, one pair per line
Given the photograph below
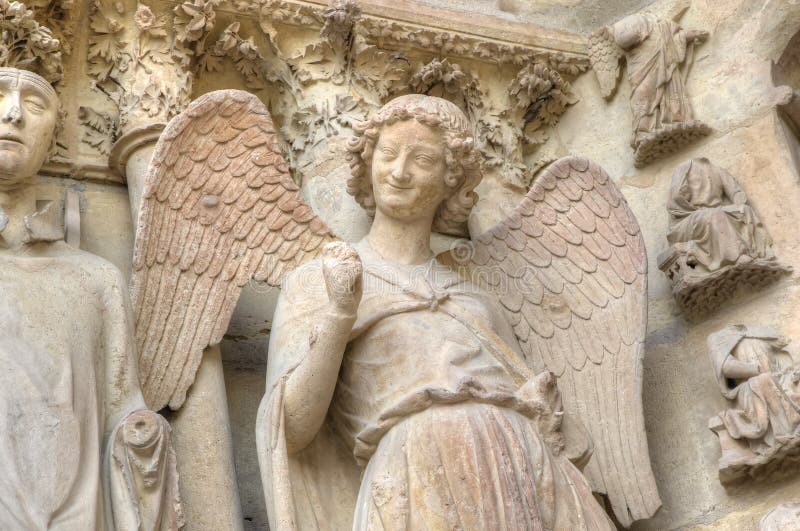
658, 54
25, 43
717, 241
140, 55
320, 69
759, 431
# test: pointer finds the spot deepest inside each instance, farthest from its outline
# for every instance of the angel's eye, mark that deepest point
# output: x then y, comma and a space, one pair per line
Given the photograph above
425, 160
386, 151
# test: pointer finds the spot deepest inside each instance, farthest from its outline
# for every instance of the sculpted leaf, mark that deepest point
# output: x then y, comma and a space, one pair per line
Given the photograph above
27, 44
347, 111
317, 62
380, 72
210, 63
194, 19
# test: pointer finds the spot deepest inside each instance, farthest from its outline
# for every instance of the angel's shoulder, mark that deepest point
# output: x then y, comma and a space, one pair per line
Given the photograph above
305, 280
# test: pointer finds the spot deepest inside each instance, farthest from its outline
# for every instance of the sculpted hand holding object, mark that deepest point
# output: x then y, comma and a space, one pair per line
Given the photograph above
78, 448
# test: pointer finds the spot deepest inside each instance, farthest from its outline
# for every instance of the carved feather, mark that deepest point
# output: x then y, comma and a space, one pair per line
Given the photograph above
218, 208
582, 314
604, 56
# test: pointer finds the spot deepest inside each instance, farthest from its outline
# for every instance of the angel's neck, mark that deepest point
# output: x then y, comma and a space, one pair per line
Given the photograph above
401, 241
16, 204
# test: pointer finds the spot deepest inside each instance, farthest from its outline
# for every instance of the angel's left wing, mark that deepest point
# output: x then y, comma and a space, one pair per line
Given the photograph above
573, 285
604, 56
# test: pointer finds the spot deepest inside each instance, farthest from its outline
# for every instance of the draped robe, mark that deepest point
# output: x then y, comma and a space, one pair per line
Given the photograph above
430, 425
710, 217
78, 451
655, 49
765, 406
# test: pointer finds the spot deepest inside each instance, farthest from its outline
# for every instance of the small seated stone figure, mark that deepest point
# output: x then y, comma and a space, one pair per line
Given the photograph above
717, 241
78, 448
760, 432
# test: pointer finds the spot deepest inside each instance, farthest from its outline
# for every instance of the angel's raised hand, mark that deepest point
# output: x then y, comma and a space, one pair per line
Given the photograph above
342, 269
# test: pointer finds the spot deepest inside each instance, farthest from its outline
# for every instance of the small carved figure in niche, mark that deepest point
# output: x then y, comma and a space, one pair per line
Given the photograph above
784, 517
717, 241
760, 434
78, 448
658, 54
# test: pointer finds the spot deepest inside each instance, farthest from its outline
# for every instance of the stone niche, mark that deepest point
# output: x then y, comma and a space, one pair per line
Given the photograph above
519, 71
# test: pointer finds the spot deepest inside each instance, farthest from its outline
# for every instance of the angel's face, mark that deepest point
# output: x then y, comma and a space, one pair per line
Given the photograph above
28, 113
408, 171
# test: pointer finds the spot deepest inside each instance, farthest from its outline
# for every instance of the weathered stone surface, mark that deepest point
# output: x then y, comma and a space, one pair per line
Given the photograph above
759, 433
419, 372
658, 54
733, 88
785, 517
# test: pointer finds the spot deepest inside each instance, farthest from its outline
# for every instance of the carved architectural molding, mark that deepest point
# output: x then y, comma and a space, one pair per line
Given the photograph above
144, 59
130, 142
355, 57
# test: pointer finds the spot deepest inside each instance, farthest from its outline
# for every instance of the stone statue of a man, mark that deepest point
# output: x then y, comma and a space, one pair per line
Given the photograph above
78, 448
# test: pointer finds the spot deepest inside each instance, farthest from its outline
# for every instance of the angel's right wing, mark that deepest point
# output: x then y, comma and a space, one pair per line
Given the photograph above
604, 56
218, 208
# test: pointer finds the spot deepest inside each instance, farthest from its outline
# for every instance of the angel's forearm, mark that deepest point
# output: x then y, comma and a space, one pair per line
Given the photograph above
310, 387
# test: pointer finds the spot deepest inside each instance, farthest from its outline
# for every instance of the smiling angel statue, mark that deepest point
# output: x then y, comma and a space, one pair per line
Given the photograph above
403, 393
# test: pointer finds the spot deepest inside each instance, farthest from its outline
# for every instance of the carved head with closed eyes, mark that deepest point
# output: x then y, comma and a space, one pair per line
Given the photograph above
416, 158
28, 119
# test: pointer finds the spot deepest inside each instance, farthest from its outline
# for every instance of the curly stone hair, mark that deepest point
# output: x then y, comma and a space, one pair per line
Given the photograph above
462, 157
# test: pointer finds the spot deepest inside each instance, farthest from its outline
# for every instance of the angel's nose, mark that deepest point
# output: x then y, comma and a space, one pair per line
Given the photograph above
400, 172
